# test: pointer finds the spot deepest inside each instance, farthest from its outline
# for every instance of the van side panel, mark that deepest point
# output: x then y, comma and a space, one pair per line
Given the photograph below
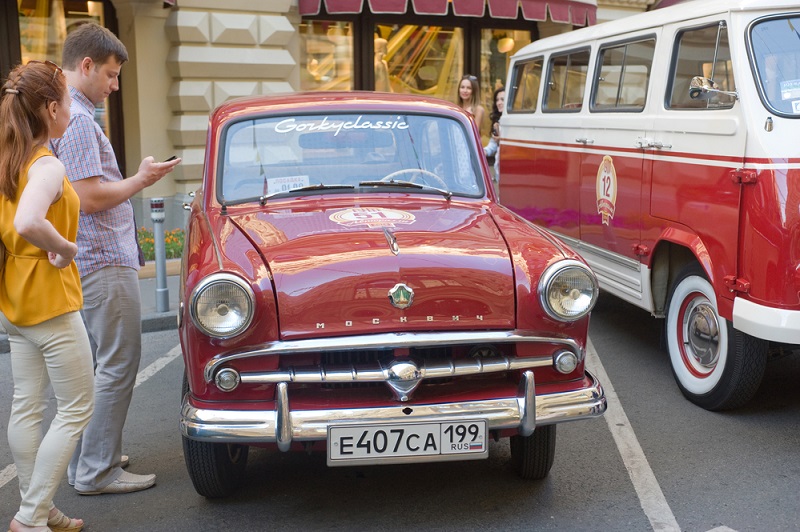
540, 180
771, 234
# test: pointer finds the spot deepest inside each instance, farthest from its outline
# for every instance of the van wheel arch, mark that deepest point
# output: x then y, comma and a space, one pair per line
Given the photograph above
669, 259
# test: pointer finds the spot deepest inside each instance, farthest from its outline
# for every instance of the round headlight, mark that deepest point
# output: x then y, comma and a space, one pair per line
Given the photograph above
568, 290
222, 305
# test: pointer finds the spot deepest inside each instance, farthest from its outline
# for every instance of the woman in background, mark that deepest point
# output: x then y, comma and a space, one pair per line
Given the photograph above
40, 292
469, 98
493, 147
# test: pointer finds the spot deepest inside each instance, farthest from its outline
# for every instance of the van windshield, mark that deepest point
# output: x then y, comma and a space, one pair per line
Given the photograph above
776, 59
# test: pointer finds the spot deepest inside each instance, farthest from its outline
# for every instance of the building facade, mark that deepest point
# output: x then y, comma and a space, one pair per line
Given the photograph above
188, 56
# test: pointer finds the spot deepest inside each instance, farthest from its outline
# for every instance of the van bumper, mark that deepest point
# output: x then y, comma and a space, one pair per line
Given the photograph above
768, 323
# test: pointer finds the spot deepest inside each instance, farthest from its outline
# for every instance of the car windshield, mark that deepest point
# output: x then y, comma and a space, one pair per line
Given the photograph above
339, 153
776, 58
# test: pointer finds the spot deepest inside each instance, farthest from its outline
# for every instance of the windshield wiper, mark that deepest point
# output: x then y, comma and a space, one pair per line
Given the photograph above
319, 186
405, 184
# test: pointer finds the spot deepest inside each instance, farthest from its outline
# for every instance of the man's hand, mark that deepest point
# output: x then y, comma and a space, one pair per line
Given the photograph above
97, 195
150, 171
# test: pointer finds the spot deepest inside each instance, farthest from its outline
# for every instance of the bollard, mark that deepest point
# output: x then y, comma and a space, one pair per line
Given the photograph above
162, 291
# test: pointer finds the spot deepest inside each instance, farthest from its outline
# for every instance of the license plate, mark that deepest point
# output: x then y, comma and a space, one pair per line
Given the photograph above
407, 442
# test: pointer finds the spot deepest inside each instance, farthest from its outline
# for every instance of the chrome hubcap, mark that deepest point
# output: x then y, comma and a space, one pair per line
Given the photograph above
702, 335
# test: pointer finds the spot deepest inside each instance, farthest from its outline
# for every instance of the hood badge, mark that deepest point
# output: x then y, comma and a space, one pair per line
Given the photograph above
401, 296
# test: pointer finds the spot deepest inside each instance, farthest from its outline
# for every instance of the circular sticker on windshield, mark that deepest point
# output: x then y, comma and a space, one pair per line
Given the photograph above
371, 217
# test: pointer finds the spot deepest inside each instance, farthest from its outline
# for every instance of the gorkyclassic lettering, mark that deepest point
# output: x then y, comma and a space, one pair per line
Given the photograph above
292, 124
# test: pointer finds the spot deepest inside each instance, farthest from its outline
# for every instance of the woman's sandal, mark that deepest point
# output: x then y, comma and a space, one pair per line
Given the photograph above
61, 523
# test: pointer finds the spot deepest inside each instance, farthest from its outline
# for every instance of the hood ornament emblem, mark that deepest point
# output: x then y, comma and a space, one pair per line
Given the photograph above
401, 296
403, 378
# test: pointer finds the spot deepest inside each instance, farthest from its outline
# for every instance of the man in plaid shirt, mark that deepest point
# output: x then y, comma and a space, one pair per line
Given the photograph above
108, 258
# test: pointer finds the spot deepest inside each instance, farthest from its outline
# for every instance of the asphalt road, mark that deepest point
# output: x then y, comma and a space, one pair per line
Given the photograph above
655, 461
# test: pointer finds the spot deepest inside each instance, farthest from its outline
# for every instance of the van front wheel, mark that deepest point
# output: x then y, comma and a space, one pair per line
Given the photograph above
716, 367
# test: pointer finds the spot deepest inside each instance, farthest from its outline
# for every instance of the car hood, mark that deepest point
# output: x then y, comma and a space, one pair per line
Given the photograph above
333, 268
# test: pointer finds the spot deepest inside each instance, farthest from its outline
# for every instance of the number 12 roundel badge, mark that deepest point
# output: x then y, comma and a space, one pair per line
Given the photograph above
606, 188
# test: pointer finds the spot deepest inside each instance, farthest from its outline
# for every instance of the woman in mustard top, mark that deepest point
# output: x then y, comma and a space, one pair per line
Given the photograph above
40, 292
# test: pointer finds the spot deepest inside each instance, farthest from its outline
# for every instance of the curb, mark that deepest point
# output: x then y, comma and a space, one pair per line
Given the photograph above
160, 321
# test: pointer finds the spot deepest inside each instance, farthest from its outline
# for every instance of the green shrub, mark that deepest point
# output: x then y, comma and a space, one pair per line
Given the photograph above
173, 243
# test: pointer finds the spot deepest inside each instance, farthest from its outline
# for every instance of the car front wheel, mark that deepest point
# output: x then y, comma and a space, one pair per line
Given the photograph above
216, 469
532, 456
716, 367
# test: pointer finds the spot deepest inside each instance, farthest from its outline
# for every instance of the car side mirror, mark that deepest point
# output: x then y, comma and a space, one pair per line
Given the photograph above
701, 88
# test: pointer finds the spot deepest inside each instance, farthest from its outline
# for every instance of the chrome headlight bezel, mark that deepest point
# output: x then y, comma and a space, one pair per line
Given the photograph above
555, 274
214, 282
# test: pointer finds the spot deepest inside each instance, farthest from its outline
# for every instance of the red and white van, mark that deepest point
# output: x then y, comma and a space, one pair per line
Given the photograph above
665, 148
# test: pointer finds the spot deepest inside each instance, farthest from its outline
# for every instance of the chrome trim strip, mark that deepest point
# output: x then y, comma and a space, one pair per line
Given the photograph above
366, 373
283, 417
527, 393
252, 427
610, 256
387, 341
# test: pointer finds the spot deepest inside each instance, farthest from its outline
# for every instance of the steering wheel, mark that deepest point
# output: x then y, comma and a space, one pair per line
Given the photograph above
419, 172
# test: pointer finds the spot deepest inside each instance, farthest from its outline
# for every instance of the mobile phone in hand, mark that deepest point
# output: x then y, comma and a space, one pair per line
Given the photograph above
171, 158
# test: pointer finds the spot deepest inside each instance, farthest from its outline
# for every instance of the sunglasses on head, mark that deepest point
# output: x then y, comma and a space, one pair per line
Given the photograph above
56, 68
470, 77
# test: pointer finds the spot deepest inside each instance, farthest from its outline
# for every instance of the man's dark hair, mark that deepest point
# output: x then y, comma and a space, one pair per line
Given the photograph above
93, 41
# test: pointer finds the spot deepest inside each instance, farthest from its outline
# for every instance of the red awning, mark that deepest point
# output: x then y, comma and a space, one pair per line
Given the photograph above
575, 12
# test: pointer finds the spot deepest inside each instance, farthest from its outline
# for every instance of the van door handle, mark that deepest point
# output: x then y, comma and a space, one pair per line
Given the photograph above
643, 142
584, 140
657, 144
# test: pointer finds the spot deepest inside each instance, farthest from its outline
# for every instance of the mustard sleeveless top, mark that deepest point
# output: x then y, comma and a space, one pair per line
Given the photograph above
31, 289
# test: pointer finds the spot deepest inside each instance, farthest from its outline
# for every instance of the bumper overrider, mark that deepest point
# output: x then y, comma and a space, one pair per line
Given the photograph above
282, 426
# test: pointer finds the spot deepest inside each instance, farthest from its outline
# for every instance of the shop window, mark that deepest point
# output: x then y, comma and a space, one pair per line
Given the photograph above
43, 26
424, 60
326, 56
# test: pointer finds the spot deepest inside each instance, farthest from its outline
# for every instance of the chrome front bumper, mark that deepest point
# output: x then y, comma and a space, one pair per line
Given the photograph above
283, 426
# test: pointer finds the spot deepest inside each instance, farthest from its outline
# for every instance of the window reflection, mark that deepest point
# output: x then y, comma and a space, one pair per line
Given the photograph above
425, 60
326, 55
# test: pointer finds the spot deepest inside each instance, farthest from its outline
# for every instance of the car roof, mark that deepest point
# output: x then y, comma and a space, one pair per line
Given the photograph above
311, 101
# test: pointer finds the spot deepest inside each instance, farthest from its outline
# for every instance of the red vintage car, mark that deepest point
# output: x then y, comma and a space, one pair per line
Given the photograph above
350, 285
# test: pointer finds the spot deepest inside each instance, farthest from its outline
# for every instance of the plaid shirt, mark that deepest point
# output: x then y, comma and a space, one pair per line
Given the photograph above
105, 238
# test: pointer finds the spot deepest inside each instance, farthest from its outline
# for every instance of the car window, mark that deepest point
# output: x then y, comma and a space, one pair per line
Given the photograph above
566, 79
702, 52
279, 153
525, 81
776, 57
623, 76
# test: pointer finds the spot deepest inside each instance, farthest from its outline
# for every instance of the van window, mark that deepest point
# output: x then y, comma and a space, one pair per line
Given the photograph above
566, 79
702, 52
623, 76
776, 58
525, 81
